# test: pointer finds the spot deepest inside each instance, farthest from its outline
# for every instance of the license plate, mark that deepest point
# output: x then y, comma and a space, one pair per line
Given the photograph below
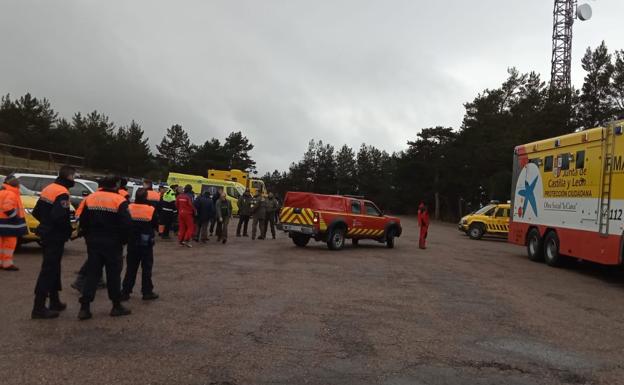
298, 229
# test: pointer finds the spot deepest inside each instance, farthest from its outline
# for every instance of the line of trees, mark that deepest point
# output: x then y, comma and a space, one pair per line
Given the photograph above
457, 170
31, 122
453, 170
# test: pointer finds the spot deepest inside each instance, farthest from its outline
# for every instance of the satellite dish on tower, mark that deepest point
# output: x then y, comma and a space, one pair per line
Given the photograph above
584, 12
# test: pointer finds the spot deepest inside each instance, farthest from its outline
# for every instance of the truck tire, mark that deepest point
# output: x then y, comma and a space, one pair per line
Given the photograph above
390, 238
535, 246
336, 238
301, 240
551, 250
476, 231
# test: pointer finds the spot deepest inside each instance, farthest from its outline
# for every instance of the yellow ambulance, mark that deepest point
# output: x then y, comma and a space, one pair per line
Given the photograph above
568, 196
200, 184
255, 186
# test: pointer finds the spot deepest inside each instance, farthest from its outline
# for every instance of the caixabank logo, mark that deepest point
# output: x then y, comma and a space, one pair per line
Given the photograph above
529, 192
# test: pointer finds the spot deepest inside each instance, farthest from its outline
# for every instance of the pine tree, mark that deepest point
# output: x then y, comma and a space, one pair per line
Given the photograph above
346, 166
596, 100
175, 148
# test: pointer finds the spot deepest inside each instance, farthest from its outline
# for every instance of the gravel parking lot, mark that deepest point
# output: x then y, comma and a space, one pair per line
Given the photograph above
266, 312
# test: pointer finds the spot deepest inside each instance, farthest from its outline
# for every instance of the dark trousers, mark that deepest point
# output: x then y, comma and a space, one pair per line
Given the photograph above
108, 254
49, 279
254, 226
269, 223
139, 255
166, 220
243, 222
213, 222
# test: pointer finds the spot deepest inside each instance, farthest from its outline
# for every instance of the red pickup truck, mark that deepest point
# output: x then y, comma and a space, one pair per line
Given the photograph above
335, 218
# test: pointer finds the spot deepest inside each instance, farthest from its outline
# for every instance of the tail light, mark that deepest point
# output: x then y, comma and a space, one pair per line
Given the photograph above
316, 218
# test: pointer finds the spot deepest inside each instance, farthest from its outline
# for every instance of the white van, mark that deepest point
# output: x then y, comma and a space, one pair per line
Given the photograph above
37, 182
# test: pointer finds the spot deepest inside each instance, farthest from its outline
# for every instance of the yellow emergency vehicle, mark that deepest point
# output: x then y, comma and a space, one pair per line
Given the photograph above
255, 186
200, 184
568, 196
490, 219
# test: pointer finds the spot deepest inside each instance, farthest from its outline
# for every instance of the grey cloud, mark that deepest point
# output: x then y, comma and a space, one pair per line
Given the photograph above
285, 71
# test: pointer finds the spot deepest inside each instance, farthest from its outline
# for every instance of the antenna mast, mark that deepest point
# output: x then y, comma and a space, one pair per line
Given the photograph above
563, 20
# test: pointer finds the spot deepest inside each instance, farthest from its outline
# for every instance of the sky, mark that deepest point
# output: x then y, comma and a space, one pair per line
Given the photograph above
282, 71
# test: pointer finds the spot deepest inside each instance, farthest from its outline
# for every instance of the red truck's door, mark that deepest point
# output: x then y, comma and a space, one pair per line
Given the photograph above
374, 220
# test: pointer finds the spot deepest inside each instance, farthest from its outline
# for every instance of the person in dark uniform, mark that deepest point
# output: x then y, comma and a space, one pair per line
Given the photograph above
52, 212
244, 212
153, 197
105, 223
214, 220
123, 189
140, 247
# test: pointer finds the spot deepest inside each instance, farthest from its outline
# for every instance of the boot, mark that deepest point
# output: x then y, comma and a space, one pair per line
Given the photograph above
125, 297
118, 310
40, 311
150, 296
78, 284
55, 302
85, 312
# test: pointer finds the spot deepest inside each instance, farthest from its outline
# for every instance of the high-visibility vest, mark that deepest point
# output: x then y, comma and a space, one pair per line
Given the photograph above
12, 214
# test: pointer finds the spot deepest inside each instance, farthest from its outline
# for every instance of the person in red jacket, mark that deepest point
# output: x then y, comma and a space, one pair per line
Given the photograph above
186, 215
423, 222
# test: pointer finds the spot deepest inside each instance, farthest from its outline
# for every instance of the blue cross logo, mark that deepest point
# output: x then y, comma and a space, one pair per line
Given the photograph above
529, 196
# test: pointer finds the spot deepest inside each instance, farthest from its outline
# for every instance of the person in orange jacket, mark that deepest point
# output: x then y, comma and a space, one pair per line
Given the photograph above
423, 222
12, 221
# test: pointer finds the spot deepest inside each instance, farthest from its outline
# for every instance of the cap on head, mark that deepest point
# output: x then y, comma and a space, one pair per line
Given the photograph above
188, 188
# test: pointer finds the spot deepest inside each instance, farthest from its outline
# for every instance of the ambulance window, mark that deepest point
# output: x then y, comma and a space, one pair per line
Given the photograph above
356, 207
565, 161
231, 191
548, 163
580, 159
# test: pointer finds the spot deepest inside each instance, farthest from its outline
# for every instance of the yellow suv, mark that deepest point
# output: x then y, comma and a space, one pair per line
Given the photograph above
491, 219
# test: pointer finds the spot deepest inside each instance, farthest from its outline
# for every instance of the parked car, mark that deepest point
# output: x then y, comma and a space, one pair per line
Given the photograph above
335, 218
29, 199
492, 219
37, 182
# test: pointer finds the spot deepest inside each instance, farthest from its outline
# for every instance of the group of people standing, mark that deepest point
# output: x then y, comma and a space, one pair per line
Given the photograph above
202, 215
263, 211
107, 221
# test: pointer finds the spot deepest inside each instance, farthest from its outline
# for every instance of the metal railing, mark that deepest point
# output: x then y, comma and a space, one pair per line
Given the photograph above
17, 158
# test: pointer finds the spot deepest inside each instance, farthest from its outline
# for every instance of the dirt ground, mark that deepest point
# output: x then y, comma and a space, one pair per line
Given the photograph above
266, 312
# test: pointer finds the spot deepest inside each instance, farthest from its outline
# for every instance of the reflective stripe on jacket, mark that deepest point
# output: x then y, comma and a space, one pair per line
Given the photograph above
12, 222
53, 212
